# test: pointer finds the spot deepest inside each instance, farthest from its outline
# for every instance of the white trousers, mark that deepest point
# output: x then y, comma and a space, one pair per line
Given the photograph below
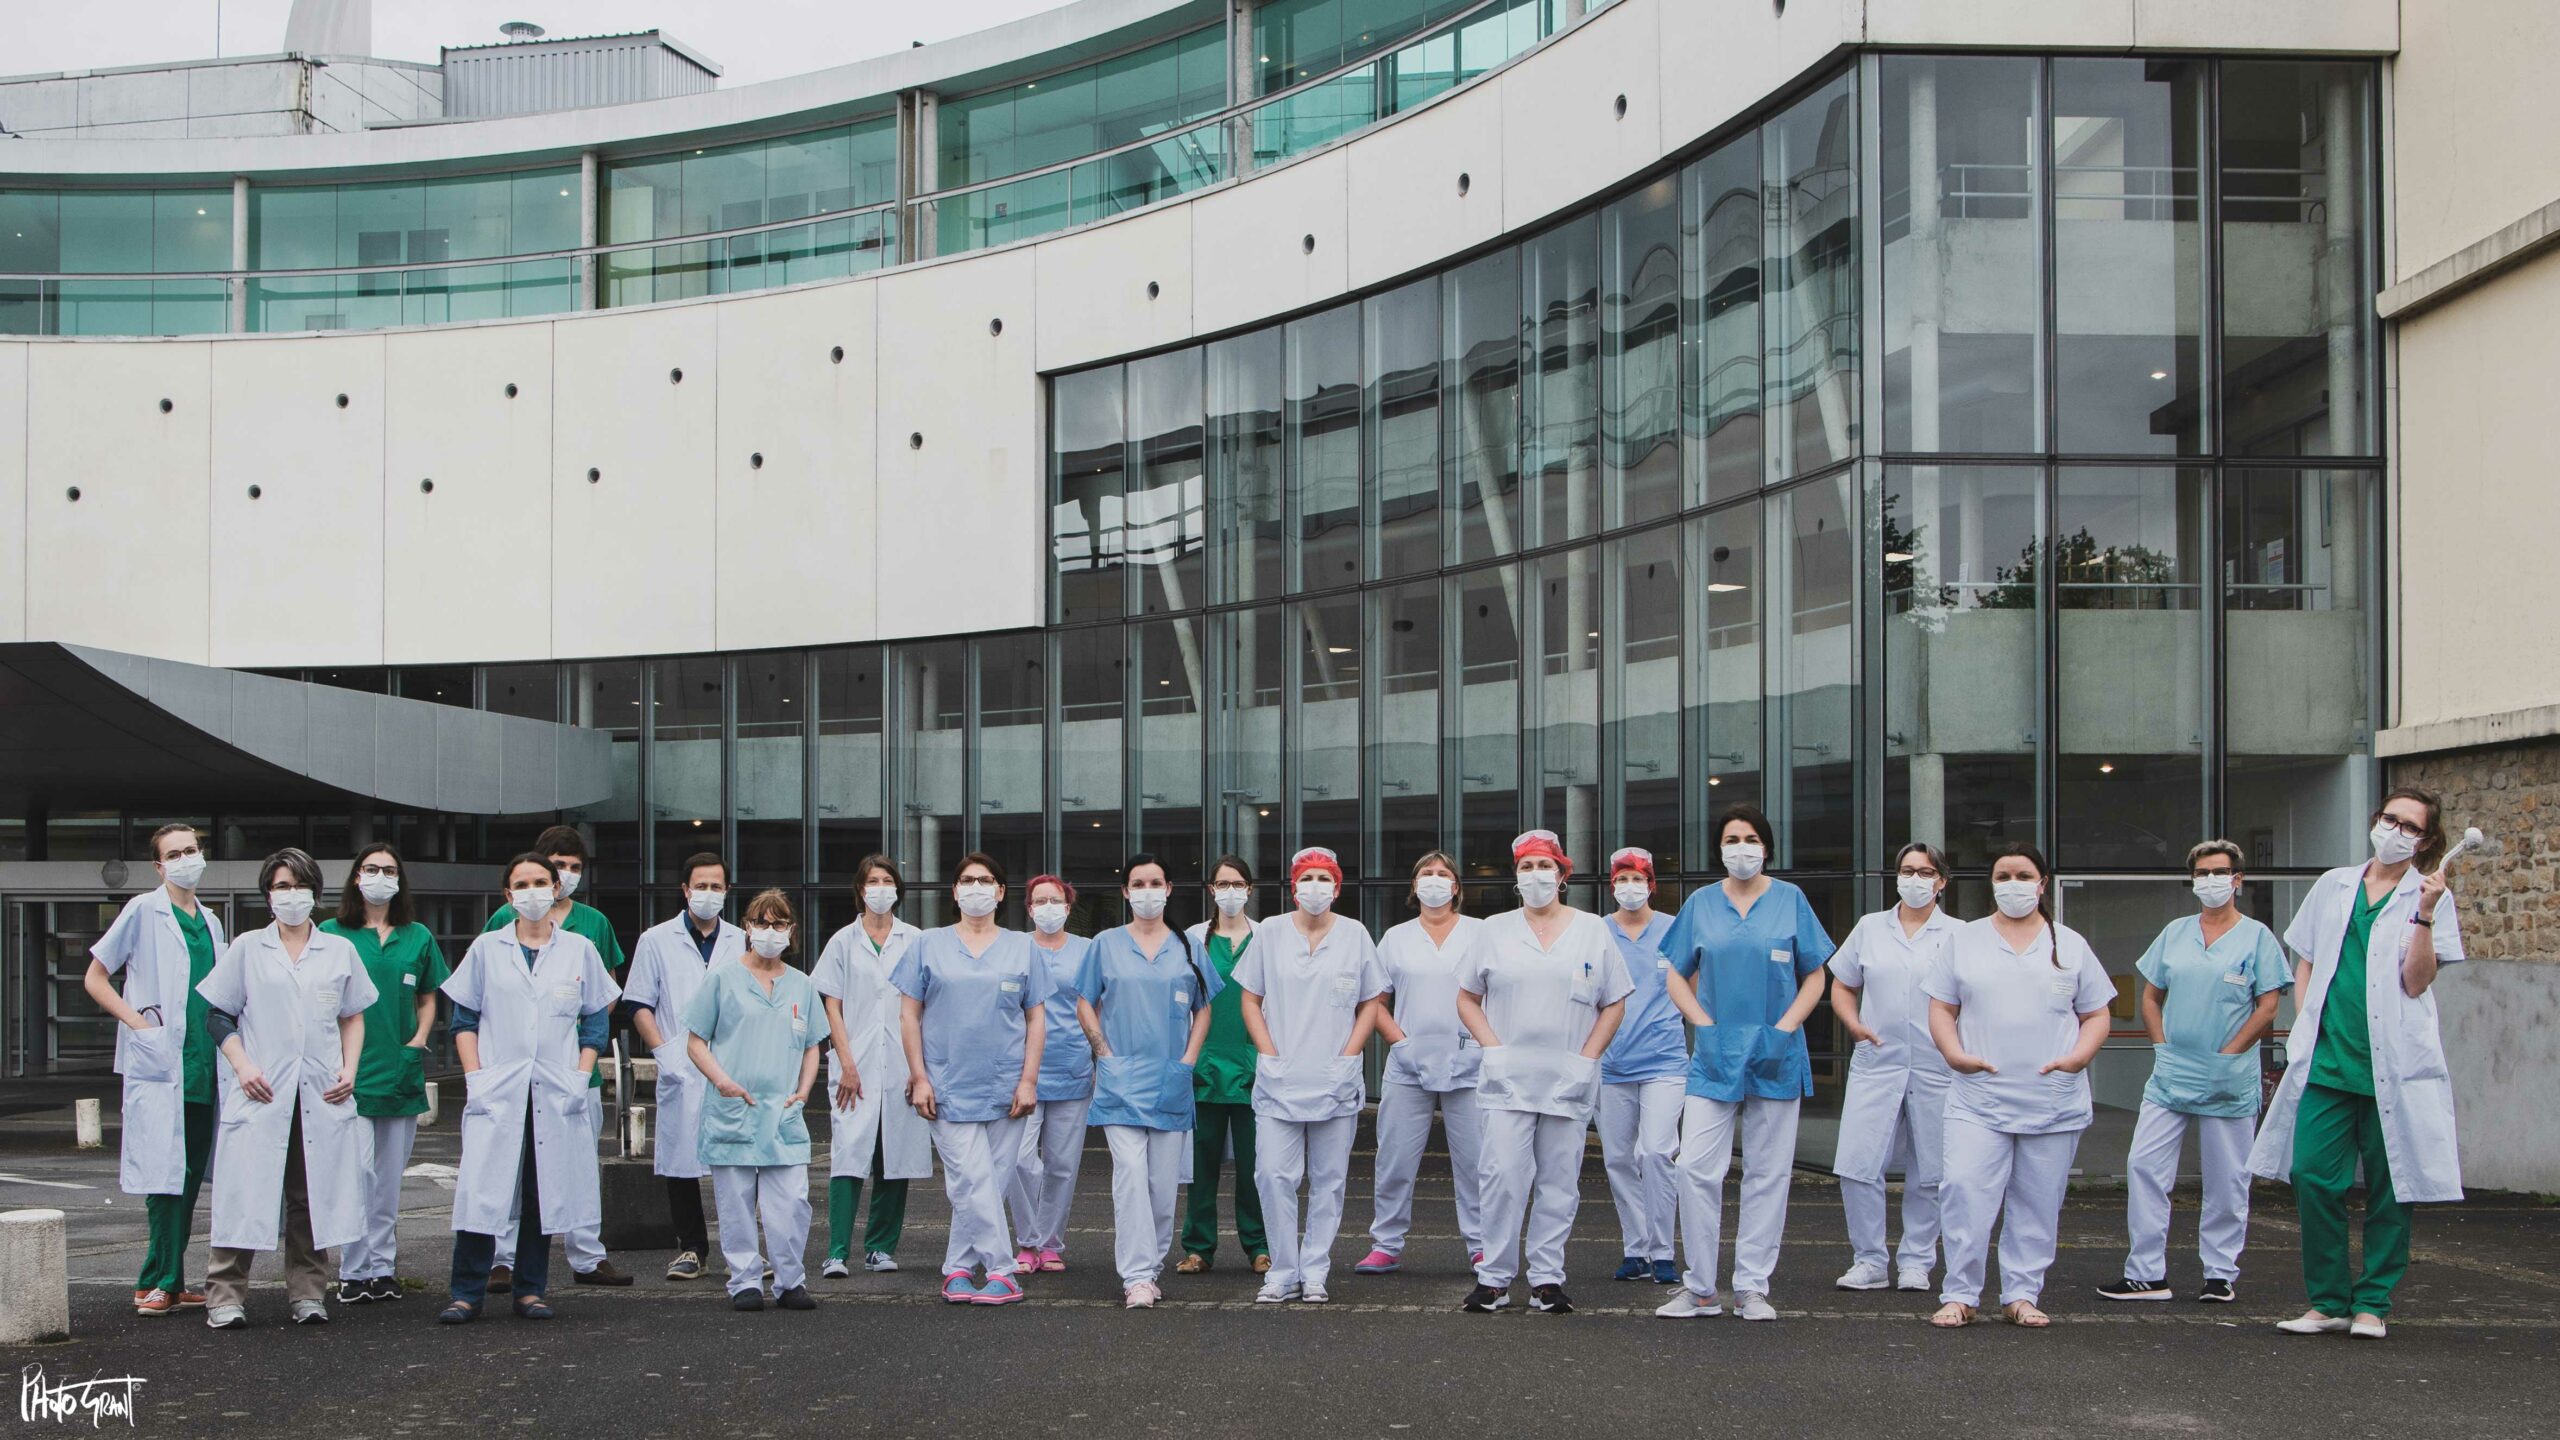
371, 1255
2015, 1179
1640, 1146
1404, 1124
1043, 1185
1146, 1168
2152, 1168
780, 1195
977, 1158
585, 1244
1917, 1146
1768, 1169
1532, 1171
1286, 1153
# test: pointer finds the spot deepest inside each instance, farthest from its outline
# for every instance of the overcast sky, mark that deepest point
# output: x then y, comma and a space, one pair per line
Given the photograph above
752, 39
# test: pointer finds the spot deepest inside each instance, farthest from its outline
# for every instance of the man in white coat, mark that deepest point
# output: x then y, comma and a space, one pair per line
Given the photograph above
667, 966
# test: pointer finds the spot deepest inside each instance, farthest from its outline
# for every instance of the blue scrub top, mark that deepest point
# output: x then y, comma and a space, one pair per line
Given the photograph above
1066, 1057
2210, 992
1652, 1043
976, 1010
1749, 968
760, 1038
1145, 1006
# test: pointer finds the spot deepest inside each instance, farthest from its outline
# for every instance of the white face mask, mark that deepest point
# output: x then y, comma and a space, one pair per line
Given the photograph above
184, 871
1049, 916
1148, 904
1435, 890
1315, 894
976, 899
290, 907
569, 882
532, 903
1231, 898
1744, 861
1917, 891
2214, 891
705, 904
2016, 898
2389, 845
770, 941
1632, 894
1537, 887
377, 889
878, 899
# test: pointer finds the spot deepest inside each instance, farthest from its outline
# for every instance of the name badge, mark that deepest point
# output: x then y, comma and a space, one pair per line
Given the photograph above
1182, 998
408, 979
565, 992
1343, 985
1010, 987
2064, 987
1782, 957
1662, 962
2235, 977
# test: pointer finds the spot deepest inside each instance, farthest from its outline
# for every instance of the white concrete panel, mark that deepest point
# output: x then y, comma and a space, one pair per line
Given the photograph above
1721, 61
1406, 212
34, 105
236, 89
2369, 27
2091, 24
632, 551
2472, 143
959, 528
465, 571
13, 492
116, 99
795, 534
1092, 291
297, 577
1562, 136
124, 567
1248, 243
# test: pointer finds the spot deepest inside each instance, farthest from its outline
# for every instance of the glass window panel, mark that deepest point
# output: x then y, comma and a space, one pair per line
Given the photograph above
723, 189
1488, 728
2297, 577
544, 212
293, 227
1813, 673
2297, 258
1646, 650
465, 218
1295, 40
1560, 389
191, 230
109, 232
849, 760
1963, 253
1479, 311
1324, 445
1328, 738
530, 691
931, 754
1567, 698
808, 174
1092, 669
1053, 119
31, 231
1723, 686
1166, 758
190, 307
1720, 233
773, 704
2129, 574
1640, 353
1245, 458
1251, 744
1087, 539
1076, 112
1401, 360
1405, 750
606, 695
1165, 522
1811, 369
685, 707
2128, 256
1963, 657
642, 200
1012, 758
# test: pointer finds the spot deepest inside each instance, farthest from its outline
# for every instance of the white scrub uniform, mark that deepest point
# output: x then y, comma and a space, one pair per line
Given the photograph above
2010, 1135
854, 975
1895, 1109
666, 969
1306, 1098
146, 947
976, 1030
1043, 1185
1436, 1064
288, 1011
1643, 1078
528, 1067
1537, 1088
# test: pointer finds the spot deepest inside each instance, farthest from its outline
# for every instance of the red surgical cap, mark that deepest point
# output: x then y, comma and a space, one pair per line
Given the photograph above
1632, 857
1311, 859
1540, 842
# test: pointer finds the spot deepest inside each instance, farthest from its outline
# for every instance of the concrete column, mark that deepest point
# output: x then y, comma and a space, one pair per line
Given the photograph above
1243, 68
35, 1277
590, 271
1928, 260
239, 252
2342, 288
919, 173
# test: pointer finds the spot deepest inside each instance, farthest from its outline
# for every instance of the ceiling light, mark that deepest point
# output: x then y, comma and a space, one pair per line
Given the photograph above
1713, 780
1265, 814
1722, 587
2106, 767
564, 194
2159, 374
199, 209
1897, 557
1337, 649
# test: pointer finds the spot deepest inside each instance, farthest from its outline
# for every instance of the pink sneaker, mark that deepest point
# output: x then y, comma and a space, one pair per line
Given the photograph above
1378, 1262
1026, 1261
1051, 1260
999, 1290
1475, 1257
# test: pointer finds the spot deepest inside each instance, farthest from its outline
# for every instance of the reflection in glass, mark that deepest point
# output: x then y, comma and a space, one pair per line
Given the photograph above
1480, 307
1164, 512
1722, 686
605, 695
1328, 734
1811, 369
1640, 353
1646, 690
1167, 757
1011, 757
849, 760
1560, 387
1488, 739
1813, 672
1245, 454
685, 715
2298, 661
1091, 673
1087, 538
1324, 446
1251, 742
529, 691
932, 755
1405, 750
767, 763
1567, 698
1400, 350
1720, 226
1076, 112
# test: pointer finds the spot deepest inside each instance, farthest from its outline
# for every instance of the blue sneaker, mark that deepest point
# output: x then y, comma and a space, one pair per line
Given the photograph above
1665, 1273
959, 1289
1633, 1268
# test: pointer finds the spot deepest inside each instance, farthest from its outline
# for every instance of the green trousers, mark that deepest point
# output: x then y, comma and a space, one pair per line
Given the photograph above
172, 1217
1209, 1135
888, 1212
2333, 1132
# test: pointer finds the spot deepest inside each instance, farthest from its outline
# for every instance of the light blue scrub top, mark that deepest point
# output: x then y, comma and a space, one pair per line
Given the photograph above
760, 1039
2211, 991
976, 1010
1652, 1043
1145, 1007
1066, 1057
1748, 969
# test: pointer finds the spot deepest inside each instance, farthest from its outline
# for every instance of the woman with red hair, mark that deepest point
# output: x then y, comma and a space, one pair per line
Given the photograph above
1044, 1183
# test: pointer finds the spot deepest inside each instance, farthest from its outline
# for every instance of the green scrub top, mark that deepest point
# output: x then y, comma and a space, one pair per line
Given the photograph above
391, 1074
1224, 1075
2343, 1059
196, 1066
761, 1038
586, 920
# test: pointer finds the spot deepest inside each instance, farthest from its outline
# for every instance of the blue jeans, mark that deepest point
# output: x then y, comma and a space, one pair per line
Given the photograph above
473, 1251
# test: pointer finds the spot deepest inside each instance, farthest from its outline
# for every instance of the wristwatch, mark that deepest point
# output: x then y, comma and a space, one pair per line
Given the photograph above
2427, 920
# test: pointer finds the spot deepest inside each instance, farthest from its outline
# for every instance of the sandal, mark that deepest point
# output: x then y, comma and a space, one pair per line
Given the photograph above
530, 1307
2024, 1313
460, 1312
1954, 1315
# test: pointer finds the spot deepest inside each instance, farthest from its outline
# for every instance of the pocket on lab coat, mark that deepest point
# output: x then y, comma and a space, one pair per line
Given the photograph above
413, 1071
152, 1054
1773, 1057
794, 1130
2421, 1043
728, 1121
478, 1092
1175, 1095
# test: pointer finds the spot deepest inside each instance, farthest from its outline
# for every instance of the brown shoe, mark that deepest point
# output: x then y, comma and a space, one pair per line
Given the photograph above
502, 1278
1192, 1265
1261, 1264
603, 1274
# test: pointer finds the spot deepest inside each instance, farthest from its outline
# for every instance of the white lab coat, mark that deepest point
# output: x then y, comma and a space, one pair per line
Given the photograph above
849, 972
145, 947
1903, 1063
2412, 1088
666, 968
289, 1012
528, 1060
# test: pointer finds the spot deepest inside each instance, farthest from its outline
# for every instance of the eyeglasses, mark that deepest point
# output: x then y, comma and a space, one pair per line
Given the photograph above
380, 871
1920, 873
2224, 873
2414, 832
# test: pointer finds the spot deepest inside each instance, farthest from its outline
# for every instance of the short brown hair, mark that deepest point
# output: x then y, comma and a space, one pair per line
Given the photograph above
2208, 848
771, 907
561, 840
994, 866
172, 828
2431, 844
684, 877
880, 862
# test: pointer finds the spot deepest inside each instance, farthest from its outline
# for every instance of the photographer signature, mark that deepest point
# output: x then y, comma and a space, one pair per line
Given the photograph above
98, 1397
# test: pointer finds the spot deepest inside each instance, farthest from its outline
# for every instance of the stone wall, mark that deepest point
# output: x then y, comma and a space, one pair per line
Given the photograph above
2511, 899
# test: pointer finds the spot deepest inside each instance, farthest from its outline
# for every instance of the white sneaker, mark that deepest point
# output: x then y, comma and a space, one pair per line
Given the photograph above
1755, 1306
1275, 1292
1141, 1296
1314, 1294
225, 1317
834, 1269
1689, 1305
310, 1312
2312, 1322
1911, 1280
1865, 1275
878, 1262
2364, 1329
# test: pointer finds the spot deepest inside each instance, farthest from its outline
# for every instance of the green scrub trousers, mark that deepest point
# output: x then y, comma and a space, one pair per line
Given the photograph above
888, 1212
1211, 1129
2332, 1132
172, 1217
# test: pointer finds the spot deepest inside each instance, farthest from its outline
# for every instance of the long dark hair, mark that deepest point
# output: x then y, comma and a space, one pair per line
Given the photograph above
1754, 817
399, 913
2021, 850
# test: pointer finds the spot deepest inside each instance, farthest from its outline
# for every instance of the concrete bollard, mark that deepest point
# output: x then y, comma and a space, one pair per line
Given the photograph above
635, 1131
435, 1105
35, 1276
86, 1124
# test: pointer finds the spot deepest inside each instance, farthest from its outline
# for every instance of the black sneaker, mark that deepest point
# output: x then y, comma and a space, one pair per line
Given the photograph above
747, 1300
2218, 1292
1484, 1300
795, 1298
1550, 1300
387, 1287
2129, 1288
355, 1292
